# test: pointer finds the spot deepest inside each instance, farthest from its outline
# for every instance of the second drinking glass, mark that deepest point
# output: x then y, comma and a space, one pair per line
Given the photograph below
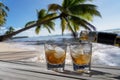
81, 56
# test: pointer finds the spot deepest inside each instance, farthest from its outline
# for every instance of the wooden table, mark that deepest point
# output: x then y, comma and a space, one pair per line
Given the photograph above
19, 70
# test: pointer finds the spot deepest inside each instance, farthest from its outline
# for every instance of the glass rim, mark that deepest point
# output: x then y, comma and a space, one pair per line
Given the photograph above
79, 43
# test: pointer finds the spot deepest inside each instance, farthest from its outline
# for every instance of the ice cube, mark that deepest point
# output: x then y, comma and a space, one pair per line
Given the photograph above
87, 48
77, 49
49, 47
59, 52
76, 53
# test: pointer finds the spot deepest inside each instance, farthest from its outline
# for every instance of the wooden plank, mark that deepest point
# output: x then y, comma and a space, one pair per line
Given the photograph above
20, 75
39, 71
28, 75
19, 55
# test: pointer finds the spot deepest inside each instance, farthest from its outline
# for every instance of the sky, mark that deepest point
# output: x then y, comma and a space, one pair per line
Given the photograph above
23, 11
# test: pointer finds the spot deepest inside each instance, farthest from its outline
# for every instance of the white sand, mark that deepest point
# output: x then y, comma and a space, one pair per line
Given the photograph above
18, 51
7, 47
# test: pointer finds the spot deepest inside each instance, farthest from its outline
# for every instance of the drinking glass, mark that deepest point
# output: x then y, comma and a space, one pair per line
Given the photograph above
81, 53
55, 54
90, 36
84, 35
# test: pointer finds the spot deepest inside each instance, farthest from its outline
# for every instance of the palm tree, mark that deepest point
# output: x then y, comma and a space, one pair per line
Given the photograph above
3, 13
75, 14
10, 30
72, 12
41, 15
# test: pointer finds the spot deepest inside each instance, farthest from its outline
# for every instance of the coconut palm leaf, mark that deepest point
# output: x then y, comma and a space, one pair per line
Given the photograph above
30, 23
86, 16
82, 22
3, 13
42, 13
76, 27
3, 6
68, 3
80, 1
65, 3
63, 24
47, 27
54, 7
90, 25
51, 25
79, 23
10, 30
47, 17
83, 9
37, 29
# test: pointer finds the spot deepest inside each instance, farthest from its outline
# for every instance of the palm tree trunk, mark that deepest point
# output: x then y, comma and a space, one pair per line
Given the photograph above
5, 37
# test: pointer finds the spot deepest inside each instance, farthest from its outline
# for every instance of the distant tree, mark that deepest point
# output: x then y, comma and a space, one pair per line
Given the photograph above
10, 30
3, 13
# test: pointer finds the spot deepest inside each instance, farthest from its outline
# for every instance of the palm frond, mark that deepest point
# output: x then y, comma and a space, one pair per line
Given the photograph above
37, 29
51, 25
84, 9
47, 17
79, 23
7, 8
42, 13
82, 22
3, 8
93, 27
75, 26
3, 12
30, 23
63, 24
87, 16
65, 3
69, 3
54, 7
75, 2
47, 27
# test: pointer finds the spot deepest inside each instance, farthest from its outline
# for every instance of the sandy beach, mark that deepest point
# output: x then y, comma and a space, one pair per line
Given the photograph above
19, 51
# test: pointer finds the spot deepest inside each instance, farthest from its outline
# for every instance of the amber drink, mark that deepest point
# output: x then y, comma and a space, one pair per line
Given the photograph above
81, 56
55, 56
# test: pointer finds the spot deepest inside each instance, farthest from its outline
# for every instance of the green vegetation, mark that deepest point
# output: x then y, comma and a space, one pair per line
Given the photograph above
42, 15
75, 14
10, 30
3, 13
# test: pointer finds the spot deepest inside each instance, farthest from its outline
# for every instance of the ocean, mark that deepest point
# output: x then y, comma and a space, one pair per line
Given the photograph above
101, 54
